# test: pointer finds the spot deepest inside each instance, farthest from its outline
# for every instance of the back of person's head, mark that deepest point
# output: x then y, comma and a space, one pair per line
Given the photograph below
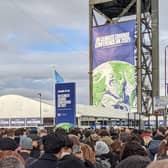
74, 131
60, 131
10, 132
132, 148
88, 153
87, 133
11, 159
136, 138
68, 142
116, 146
7, 144
104, 132
42, 132
124, 137
53, 143
26, 143
101, 148
134, 162
159, 164
161, 130
74, 139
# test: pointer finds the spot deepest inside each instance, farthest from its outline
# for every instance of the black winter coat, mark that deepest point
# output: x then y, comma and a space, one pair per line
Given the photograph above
69, 161
47, 160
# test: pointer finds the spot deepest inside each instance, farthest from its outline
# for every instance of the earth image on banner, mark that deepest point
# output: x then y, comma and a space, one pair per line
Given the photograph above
114, 85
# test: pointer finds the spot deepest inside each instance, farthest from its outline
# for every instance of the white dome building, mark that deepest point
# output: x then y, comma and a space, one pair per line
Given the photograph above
19, 111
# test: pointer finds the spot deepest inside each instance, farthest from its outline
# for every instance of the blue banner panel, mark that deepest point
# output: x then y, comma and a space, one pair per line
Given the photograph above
114, 83
65, 104
32, 122
17, 122
4, 122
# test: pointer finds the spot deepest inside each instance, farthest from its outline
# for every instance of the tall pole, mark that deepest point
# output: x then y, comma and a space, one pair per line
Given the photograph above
90, 54
166, 70
41, 122
165, 112
155, 53
139, 61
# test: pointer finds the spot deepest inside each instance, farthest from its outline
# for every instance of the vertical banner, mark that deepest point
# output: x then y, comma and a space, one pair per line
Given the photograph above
114, 83
65, 105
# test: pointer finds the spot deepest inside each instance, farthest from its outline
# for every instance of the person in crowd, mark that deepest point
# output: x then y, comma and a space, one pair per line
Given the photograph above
124, 136
88, 156
135, 161
163, 150
8, 144
10, 133
159, 164
68, 158
25, 150
105, 136
23, 134
132, 148
137, 138
36, 144
104, 155
153, 146
53, 144
11, 159
116, 148
74, 139
147, 137
42, 132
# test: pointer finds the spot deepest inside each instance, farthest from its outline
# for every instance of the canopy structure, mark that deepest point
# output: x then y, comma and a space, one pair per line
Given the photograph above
15, 106
93, 111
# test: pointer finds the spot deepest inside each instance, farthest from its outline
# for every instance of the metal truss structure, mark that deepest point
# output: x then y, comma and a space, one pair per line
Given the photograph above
145, 12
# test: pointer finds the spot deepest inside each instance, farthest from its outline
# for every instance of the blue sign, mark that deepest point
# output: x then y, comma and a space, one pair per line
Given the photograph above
4, 122
114, 83
18, 122
65, 104
33, 122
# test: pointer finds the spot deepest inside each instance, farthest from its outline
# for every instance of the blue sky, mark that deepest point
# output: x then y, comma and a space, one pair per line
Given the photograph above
37, 35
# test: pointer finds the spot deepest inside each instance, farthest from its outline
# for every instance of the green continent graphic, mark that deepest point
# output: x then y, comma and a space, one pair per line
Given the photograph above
114, 85
65, 126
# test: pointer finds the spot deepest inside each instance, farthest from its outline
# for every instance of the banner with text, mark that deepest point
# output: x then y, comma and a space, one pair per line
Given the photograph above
17, 122
4, 122
33, 122
114, 83
65, 104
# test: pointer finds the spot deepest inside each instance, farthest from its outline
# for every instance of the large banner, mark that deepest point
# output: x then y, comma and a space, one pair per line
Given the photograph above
114, 83
65, 104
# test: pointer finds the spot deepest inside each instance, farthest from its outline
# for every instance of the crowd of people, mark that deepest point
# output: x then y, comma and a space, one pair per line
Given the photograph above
83, 148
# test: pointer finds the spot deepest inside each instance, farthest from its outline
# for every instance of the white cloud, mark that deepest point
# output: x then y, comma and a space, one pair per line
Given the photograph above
25, 23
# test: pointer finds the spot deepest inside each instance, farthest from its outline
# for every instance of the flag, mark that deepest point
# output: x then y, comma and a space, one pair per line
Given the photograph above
58, 77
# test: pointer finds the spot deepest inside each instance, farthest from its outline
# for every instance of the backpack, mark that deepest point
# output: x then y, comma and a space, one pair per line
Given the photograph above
102, 163
153, 148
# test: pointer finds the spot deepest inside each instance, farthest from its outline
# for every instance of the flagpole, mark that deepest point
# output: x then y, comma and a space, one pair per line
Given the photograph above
53, 90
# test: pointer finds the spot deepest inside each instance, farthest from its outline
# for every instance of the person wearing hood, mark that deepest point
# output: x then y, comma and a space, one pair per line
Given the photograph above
104, 155
153, 146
